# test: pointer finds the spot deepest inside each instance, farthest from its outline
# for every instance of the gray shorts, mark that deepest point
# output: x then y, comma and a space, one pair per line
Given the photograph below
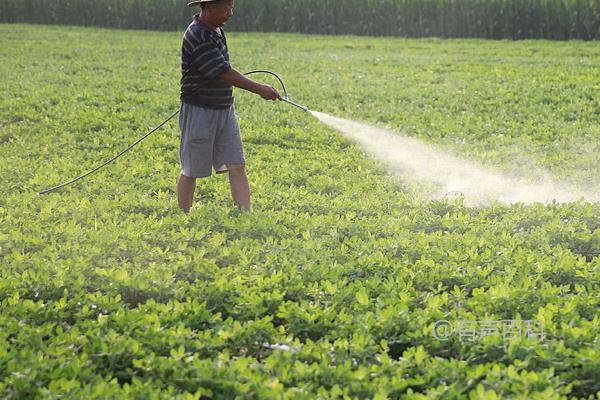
209, 138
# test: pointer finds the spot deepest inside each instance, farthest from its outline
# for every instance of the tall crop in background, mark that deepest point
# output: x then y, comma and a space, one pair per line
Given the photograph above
512, 19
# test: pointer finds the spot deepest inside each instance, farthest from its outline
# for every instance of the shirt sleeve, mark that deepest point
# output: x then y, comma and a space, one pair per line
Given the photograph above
208, 60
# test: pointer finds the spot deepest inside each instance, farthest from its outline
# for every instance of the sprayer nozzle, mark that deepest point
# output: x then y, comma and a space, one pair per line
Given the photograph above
295, 104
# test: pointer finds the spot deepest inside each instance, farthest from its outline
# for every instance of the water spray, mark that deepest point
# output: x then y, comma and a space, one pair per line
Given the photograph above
285, 98
415, 160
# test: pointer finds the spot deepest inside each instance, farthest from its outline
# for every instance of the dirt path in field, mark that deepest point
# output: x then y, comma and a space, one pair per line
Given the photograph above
450, 175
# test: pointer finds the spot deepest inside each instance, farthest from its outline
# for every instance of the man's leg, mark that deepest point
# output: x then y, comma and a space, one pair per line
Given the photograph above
240, 190
185, 192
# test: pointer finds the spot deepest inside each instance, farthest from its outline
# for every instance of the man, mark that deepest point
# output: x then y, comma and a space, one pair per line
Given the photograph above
210, 133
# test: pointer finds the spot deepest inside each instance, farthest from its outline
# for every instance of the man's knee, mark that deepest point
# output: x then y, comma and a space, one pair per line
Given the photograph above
187, 179
236, 169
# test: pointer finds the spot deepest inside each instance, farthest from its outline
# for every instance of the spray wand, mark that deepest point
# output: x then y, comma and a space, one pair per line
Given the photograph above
295, 104
285, 98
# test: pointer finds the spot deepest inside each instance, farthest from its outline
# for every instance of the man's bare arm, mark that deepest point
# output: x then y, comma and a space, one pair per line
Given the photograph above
236, 79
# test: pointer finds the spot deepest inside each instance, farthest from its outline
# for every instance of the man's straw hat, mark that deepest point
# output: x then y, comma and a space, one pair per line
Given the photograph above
197, 2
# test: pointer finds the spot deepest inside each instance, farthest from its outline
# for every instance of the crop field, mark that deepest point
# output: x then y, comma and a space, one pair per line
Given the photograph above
335, 285
492, 19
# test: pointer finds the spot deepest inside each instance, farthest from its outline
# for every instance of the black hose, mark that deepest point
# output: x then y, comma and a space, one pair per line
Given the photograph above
111, 160
52, 189
264, 71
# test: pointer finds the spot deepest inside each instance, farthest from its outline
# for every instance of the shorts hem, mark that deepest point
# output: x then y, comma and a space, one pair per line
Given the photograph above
196, 176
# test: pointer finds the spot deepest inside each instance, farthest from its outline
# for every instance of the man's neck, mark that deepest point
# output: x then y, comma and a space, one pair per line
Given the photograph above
207, 22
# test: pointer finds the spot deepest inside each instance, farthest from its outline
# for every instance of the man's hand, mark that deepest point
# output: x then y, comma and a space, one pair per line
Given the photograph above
268, 92
236, 79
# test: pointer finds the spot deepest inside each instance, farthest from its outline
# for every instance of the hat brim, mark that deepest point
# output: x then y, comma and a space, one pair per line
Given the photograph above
198, 2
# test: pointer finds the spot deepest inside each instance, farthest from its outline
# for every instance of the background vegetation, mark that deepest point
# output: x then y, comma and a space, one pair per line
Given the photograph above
510, 19
107, 290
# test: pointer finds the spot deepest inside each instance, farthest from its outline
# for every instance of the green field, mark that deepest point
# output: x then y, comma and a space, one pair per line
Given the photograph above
108, 291
491, 19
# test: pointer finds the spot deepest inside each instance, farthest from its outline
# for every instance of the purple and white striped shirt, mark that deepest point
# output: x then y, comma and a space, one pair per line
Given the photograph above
204, 57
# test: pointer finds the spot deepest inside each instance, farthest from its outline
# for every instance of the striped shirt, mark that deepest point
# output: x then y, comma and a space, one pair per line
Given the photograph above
204, 57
